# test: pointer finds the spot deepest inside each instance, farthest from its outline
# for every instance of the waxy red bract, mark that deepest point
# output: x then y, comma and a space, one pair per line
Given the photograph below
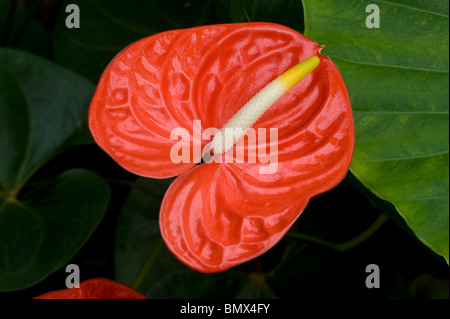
215, 216
96, 288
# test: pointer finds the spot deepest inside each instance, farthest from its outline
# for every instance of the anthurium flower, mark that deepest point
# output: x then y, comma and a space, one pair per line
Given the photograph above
96, 288
162, 93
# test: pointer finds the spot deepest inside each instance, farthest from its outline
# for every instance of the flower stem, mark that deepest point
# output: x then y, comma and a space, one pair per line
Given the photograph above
119, 181
145, 269
347, 245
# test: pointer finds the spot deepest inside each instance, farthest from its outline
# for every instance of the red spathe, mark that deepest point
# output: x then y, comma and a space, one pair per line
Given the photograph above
218, 215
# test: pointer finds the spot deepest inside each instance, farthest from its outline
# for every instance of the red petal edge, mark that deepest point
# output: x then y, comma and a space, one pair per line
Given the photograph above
96, 288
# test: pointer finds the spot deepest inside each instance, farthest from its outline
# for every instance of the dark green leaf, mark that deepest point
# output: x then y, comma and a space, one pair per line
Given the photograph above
40, 234
138, 237
286, 12
43, 109
397, 77
21, 31
106, 27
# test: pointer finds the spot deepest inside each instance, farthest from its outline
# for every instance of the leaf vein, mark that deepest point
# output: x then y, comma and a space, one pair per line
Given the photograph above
405, 158
410, 8
396, 66
402, 112
423, 199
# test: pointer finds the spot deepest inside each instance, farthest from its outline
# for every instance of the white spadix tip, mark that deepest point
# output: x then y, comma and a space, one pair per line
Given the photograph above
235, 128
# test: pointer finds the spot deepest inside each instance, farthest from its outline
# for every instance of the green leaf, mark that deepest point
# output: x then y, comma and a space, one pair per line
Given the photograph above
142, 260
286, 12
397, 78
43, 231
106, 27
43, 110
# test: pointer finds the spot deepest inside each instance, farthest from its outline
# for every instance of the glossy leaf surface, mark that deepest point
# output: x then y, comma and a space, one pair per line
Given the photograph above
398, 84
215, 215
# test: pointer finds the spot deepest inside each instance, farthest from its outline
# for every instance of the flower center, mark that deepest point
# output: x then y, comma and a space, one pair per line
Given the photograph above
247, 115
